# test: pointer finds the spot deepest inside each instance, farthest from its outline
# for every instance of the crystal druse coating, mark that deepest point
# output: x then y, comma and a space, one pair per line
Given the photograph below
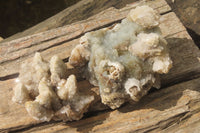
49, 91
124, 60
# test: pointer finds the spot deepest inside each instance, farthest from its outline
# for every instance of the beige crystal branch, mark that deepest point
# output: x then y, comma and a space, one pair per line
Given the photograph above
49, 93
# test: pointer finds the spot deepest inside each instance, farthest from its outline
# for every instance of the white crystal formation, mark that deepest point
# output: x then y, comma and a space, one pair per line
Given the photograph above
125, 60
47, 91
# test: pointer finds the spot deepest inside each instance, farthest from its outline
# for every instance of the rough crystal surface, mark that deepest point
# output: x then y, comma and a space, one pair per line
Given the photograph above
124, 60
47, 92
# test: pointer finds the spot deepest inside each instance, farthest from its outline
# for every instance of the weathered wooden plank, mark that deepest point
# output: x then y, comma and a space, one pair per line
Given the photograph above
172, 109
76, 29
11, 114
80, 11
18, 50
64, 49
188, 12
184, 62
184, 54
191, 124
14, 116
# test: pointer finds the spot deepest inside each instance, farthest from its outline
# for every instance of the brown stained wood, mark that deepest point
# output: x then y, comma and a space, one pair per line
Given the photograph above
184, 54
171, 109
16, 51
189, 13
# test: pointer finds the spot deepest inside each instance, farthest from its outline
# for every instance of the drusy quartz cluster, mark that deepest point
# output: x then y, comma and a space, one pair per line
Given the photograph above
124, 61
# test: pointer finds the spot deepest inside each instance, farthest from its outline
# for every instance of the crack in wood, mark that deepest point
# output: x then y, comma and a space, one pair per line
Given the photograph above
12, 76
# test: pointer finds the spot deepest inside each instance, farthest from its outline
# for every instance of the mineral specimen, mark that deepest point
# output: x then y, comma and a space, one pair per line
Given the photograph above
31, 74
125, 60
58, 69
47, 93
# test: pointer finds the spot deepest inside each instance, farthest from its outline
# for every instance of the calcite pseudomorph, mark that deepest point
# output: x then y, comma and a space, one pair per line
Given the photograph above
124, 61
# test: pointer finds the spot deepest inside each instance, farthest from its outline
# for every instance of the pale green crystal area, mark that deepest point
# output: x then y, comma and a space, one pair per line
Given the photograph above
124, 60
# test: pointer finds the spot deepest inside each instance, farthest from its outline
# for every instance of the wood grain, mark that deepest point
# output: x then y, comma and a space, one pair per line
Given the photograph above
80, 11
171, 109
14, 52
14, 116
